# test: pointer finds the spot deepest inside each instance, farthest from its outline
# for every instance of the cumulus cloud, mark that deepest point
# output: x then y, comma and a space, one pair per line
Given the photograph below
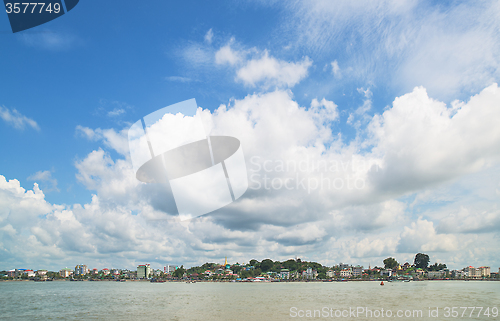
259, 68
273, 72
16, 119
424, 141
421, 236
19, 207
118, 141
226, 55
310, 192
467, 221
45, 176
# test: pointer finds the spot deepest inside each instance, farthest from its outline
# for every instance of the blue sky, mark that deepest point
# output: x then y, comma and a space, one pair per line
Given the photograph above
72, 87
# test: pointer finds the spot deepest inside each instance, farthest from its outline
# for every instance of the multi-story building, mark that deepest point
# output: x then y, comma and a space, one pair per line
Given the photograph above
458, 274
309, 274
345, 273
386, 272
330, 274
65, 272
41, 272
143, 271
169, 269
485, 271
105, 271
357, 270
285, 274
472, 272
436, 274
29, 273
81, 269
344, 266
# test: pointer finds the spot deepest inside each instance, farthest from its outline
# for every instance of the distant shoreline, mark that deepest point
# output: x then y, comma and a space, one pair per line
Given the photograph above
230, 281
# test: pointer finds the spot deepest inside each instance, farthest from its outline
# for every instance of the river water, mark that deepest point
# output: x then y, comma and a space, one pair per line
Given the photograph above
423, 300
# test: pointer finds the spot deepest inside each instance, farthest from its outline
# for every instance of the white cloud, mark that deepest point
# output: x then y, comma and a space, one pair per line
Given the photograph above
326, 224
209, 36
424, 142
16, 119
369, 247
360, 116
336, 69
197, 55
403, 44
45, 176
226, 55
273, 72
467, 221
116, 112
178, 79
19, 207
112, 108
325, 110
115, 140
421, 236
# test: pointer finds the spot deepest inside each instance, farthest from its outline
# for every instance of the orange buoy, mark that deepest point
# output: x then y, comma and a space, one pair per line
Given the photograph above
382, 283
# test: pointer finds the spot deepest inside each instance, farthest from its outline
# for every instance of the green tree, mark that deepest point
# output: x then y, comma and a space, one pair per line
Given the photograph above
437, 267
179, 273
390, 263
266, 265
291, 265
253, 263
421, 260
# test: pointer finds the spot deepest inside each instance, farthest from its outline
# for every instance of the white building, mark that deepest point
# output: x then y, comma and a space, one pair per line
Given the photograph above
485, 271
472, 272
285, 274
144, 271
345, 273
41, 272
309, 274
81, 269
65, 272
169, 269
387, 272
436, 274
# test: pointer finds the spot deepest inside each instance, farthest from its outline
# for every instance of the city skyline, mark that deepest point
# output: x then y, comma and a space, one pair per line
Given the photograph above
368, 129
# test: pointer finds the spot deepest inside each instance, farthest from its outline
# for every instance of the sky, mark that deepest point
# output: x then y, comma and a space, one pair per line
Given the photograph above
381, 115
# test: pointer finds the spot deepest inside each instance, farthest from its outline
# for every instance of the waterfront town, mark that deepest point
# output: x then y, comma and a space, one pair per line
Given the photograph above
264, 271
